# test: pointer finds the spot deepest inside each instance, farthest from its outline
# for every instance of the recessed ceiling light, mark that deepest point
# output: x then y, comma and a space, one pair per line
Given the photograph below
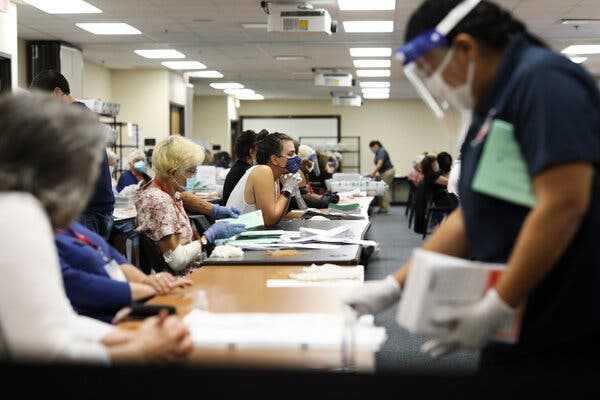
205, 74
239, 92
183, 65
164, 53
253, 25
226, 85
374, 84
380, 96
578, 60
372, 63
373, 73
64, 6
371, 51
109, 28
583, 49
375, 90
350, 5
368, 26
289, 58
252, 97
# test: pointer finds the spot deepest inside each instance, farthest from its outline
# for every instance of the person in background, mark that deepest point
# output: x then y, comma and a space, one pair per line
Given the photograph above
222, 159
49, 156
550, 108
453, 178
433, 178
416, 175
136, 174
270, 185
309, 164
208, 157
113, 160
160, 212
444, 161
245, 155
97, 216
385, 169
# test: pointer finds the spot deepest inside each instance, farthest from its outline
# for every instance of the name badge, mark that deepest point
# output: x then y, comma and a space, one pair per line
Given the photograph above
114, 271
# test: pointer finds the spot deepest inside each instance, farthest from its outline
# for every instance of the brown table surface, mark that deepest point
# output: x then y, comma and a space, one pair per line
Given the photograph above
243, 289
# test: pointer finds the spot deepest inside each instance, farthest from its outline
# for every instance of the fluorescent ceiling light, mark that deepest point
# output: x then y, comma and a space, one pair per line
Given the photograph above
64, 6
583, 49
182, 65
368, 26
373, 73
205, 74
375, 90
254, 26
239, 92
226, 85
164, 53
372, 63
371, 51
289, 58
109, 28
364, 5
252, 97
380, 96
578, 60
574, 21
374, 84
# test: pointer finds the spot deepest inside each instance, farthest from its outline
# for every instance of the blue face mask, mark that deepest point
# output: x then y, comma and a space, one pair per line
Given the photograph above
140, 166
293, 164
191, 183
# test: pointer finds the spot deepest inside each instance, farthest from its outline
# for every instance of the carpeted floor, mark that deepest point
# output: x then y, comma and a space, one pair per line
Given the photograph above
401, 351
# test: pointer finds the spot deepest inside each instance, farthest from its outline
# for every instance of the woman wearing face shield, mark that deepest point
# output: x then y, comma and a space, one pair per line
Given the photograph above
476, 56
160, 212
269, 186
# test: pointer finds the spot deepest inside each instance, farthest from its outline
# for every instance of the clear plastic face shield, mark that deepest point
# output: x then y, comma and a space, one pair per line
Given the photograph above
416, 68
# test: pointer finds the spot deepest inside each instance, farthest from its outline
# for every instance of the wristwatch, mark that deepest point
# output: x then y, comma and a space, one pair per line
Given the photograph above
286, 193
204, 241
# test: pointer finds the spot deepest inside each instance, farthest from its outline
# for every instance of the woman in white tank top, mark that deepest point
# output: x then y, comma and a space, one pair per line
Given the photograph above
259, 188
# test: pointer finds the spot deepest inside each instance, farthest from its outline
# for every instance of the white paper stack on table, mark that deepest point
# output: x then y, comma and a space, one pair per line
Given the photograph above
265, 331
436, 281
322, 275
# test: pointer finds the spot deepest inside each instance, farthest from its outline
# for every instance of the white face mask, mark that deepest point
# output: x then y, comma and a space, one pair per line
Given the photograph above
460, 97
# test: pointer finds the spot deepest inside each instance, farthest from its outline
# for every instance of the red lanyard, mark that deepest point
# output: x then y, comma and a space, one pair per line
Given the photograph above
160, 185
82, 238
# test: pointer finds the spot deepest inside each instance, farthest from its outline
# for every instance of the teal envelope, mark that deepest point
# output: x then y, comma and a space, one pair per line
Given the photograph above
251, 219
502, 170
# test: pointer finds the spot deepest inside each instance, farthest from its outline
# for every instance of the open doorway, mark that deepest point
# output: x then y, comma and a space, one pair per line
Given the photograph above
176, 119
5, 73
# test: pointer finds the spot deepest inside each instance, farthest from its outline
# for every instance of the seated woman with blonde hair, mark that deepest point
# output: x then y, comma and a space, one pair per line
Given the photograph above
160, 212
269, 186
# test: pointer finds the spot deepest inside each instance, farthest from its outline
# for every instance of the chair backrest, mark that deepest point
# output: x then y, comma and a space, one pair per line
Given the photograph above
151, 257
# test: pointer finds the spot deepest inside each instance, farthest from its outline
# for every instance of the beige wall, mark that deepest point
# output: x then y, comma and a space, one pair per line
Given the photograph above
211, 120
144, 98
404, 127
22, 63
96, 82
8, 40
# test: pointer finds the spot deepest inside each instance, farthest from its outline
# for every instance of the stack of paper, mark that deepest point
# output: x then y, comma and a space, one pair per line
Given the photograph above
265, 331
437, 281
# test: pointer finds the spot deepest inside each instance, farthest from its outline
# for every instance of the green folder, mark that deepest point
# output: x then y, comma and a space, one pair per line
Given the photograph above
251, 219
502, 170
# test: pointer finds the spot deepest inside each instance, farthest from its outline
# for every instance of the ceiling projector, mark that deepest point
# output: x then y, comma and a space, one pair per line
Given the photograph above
346, 100
301, 20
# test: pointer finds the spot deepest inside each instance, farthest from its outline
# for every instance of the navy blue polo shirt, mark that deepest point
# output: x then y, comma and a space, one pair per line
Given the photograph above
554, 106
90, 289
382, 154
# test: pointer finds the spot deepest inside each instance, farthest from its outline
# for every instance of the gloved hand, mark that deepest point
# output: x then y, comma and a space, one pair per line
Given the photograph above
290, 182
470, 327
374, 296
223, 230
332, 197
219, 212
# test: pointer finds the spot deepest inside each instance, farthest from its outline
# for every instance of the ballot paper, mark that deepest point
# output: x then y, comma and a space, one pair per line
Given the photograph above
437, 281
251, 219
288, 283
327, 272
276, 331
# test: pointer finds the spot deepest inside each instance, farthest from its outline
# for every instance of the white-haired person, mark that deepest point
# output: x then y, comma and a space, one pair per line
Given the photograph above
113, 160
311, 166
160, 209
136, 174
50, 154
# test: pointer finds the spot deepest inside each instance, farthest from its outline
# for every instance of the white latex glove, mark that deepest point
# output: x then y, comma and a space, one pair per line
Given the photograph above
470, 327
290, 182
374, 296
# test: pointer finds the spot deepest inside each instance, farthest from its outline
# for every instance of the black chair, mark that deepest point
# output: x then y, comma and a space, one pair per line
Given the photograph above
445, 209
151, 258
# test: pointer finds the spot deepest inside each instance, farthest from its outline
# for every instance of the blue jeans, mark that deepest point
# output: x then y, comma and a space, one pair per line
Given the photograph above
128, 228
98, 222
